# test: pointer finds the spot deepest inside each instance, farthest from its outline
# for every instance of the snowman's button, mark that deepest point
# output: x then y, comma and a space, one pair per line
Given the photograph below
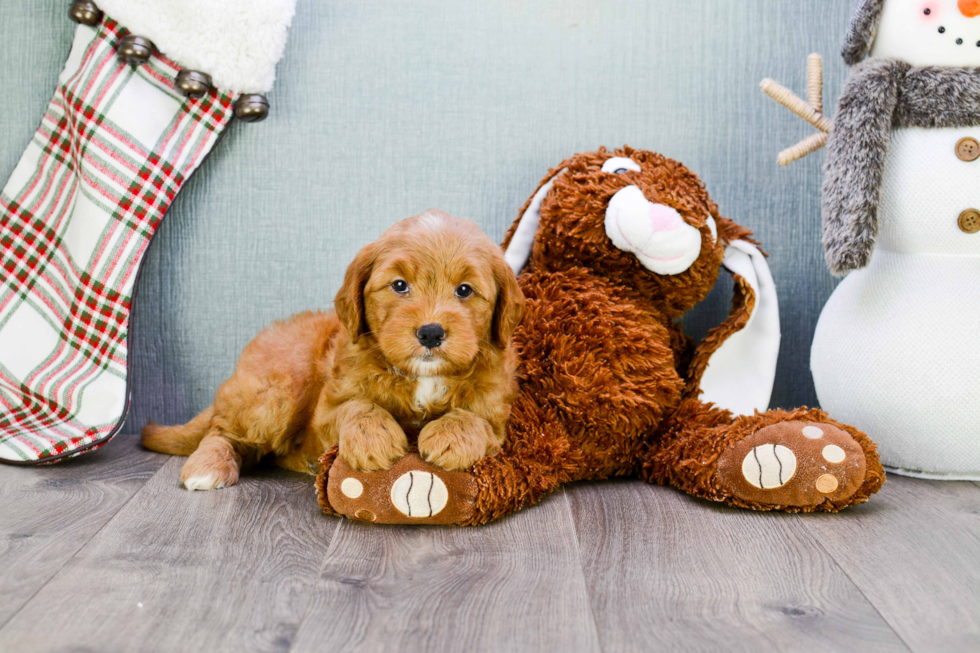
968, 149
969, 221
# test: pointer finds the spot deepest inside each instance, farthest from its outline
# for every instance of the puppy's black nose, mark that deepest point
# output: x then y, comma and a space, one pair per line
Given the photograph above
431, 335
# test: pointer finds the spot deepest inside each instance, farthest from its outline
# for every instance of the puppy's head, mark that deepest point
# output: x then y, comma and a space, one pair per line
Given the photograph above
430, 294
633, 216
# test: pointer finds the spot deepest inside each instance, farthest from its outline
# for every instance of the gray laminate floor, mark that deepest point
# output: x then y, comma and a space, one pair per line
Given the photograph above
107, 554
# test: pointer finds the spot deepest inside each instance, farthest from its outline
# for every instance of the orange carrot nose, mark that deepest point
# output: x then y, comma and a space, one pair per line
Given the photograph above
969, 8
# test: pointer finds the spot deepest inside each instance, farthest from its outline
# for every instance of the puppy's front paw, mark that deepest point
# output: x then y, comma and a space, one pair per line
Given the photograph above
456, 441
213, 466
372, 442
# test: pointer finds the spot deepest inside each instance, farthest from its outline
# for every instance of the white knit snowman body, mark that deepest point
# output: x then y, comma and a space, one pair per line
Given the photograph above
896, 351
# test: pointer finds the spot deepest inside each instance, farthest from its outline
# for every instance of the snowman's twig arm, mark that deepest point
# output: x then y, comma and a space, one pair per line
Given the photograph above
814, 82
811, 110
855, 155
807, 146
795, 104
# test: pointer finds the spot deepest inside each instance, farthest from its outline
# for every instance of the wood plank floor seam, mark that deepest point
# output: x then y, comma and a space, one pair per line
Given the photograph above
670, 572
514, 584
912, 552
229, 570
578, 552
81, 545
316, 580
69, 559
857, 586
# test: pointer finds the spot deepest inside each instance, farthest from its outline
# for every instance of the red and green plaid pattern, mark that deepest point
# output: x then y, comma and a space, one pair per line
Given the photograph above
114, 148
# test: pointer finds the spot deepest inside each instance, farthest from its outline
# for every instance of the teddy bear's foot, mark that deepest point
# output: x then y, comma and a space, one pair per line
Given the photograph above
411, 492
794, 464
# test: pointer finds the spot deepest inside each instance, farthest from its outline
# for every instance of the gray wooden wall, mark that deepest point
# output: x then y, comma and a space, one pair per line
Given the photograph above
386, 107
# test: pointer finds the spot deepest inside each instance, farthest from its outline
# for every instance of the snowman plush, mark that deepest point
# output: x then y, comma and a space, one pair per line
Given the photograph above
896, 351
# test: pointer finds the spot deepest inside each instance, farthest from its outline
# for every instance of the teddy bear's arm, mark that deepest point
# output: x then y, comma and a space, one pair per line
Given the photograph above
743, 300
735, 365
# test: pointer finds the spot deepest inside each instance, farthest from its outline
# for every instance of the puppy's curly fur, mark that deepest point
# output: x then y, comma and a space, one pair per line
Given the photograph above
360, 378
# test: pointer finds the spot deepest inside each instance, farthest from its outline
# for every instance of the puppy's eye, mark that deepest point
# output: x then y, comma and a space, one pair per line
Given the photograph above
400, 287
464, 291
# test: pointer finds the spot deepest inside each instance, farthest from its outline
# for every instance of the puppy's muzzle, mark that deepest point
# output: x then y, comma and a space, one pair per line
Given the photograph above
431, 335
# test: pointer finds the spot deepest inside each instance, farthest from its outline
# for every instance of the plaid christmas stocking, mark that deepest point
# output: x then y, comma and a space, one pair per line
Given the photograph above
126, 128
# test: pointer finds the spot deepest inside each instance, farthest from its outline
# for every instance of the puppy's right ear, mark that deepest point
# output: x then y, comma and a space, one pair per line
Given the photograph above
509, 309
349, 302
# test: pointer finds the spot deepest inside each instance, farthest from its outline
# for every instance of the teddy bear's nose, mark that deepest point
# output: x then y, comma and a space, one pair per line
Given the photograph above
969, 8
664, 218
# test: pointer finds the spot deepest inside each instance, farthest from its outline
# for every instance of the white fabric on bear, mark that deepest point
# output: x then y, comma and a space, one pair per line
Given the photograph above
519, 250
740, 374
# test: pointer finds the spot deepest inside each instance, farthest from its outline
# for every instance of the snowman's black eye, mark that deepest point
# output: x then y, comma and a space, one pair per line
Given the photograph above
942, 30
927, 12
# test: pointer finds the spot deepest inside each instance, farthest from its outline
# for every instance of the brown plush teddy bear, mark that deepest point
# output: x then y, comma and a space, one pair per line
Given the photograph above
617, 246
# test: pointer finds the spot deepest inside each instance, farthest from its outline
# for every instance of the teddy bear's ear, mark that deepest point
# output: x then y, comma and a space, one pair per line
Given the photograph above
519, 240
862, 30
739, 374
730, 231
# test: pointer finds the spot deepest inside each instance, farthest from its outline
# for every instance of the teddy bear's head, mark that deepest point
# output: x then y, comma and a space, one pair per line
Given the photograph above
632, 216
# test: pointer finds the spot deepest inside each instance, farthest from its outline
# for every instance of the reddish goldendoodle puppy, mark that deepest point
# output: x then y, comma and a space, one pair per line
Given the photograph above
418, 346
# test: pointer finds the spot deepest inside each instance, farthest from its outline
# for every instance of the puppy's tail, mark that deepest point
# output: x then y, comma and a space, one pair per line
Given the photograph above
181, 440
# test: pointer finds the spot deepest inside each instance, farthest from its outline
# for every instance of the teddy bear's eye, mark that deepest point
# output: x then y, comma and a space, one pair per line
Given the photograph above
619, 165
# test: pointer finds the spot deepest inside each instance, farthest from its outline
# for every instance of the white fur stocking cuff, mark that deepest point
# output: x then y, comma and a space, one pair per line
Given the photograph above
236, 42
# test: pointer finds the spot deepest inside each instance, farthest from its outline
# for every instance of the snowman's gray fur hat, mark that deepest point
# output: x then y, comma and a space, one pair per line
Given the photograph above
862, 30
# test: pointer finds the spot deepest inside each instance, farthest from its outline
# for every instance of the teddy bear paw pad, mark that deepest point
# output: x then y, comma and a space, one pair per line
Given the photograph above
411, 492
794, 463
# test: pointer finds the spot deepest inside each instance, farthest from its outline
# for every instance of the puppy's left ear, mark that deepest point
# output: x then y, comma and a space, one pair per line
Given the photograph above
349, 302
509, 309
